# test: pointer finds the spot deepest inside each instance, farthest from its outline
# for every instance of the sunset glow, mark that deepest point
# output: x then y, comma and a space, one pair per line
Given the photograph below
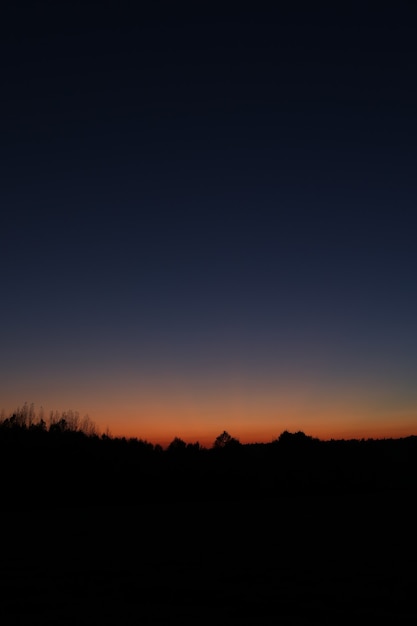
215, 231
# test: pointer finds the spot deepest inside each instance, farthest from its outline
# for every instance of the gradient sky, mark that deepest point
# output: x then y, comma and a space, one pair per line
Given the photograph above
209, 219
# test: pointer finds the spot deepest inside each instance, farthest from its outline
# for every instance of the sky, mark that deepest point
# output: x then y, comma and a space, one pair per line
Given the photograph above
208, 217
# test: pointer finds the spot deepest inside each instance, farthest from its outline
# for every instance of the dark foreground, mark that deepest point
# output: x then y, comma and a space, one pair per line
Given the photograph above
323, 559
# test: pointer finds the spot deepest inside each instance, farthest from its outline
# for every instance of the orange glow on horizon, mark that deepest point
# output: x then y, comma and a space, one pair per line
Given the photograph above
249, 414
165, 428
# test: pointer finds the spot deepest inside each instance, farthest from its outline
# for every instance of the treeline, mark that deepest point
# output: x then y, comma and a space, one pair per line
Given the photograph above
63, 460
26, 418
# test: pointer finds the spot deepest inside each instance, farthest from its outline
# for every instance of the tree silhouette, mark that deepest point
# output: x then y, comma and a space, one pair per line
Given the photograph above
224, 440
177, 445
295, 439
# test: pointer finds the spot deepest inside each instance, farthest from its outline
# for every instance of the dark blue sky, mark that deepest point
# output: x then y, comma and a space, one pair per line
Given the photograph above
206, 205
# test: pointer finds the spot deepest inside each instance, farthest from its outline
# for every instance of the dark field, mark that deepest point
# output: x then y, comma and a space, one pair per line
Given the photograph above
303, 559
